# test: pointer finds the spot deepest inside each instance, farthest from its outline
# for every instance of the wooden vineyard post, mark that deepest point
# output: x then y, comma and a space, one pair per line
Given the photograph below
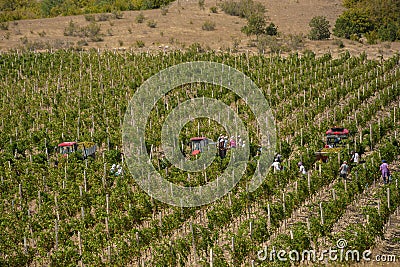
104, 175
25, 246
370, 135
20, 194
345, 185
283, 203
301, 137
321, 213
269, 217
56, 206
251, 229
309, 183
160, 223
333, 194
233, 245
84, 180
39, 201
56, 233
379, 206
388, 197
193, 240
211, 257
107, 206
106, 222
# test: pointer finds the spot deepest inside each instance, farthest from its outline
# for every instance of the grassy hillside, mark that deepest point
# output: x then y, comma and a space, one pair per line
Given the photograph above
25, 9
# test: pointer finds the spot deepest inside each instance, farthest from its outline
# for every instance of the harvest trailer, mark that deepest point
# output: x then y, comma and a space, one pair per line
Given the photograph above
86, 148
199, 144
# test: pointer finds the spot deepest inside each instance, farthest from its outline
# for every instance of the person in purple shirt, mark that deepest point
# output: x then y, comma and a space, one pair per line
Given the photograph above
384, 168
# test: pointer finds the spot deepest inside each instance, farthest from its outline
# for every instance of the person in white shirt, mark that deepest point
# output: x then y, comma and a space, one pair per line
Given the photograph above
355, 157
276, 166
344, 170
302, 169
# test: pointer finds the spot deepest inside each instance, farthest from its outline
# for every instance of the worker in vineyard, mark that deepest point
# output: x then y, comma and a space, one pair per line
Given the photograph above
278, 157
344, 170
112, 170
302, 169
119, 170
336, 141
221, 147
384, 168
276, 166
355, 157
239, 141
232, 142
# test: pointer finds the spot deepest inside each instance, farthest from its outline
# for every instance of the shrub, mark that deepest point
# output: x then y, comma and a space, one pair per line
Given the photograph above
319, 28
71, 29
118, 14
271, 29
201, 4
339, 43
388, 32
213, 9
256, 25
295, 41
90, 17
140, 18
82, 42
266, 41
42, 34
139, 43
208, 25
372, 37
164, 10
92, 30
4, 25
105, 17
242, 8
152, 23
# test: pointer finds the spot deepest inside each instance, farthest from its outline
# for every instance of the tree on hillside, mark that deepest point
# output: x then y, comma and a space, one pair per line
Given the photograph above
375, 19
257, 25
352, 22
319, 28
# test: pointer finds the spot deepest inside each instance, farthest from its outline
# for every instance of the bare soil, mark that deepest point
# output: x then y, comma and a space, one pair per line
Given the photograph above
181, 26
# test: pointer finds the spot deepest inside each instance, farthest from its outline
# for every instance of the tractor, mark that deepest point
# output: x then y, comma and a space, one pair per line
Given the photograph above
335, 143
